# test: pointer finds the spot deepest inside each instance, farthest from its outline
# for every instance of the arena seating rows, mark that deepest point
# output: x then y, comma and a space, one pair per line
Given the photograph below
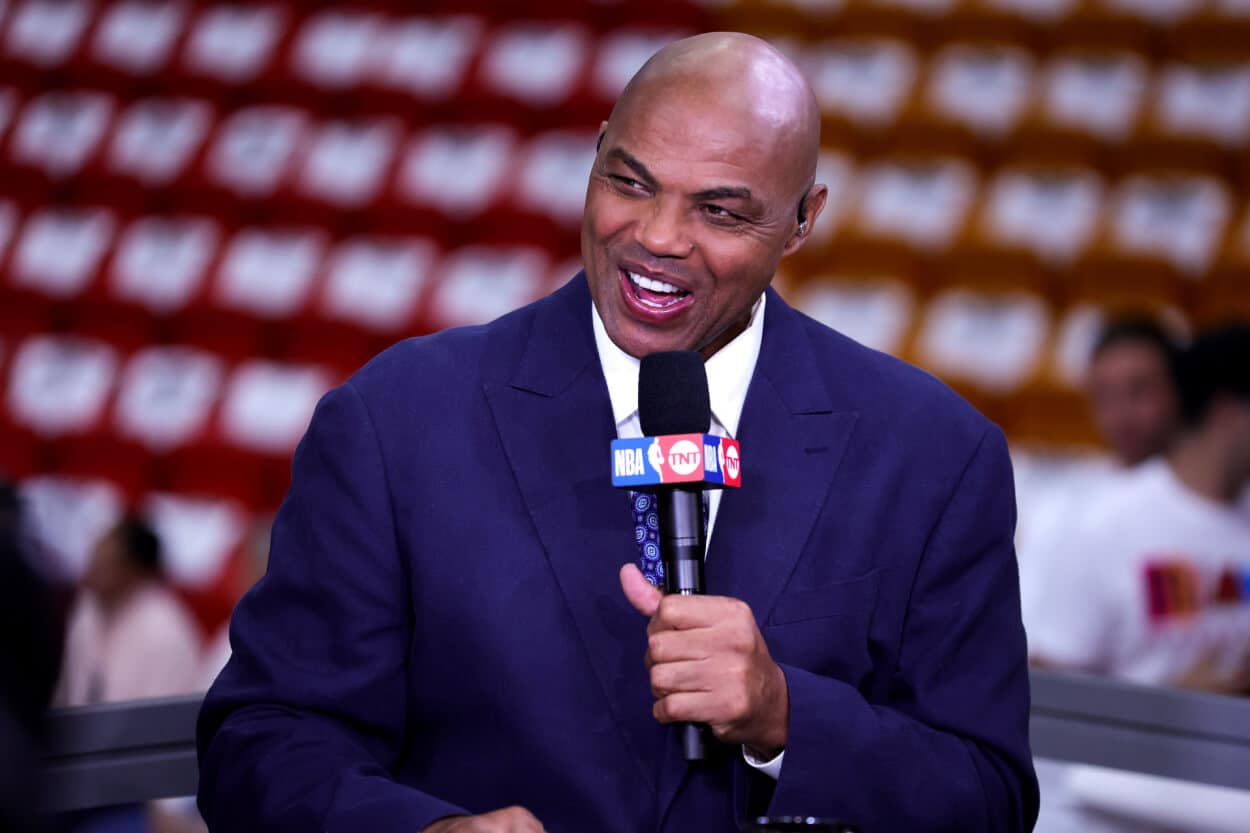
214, 211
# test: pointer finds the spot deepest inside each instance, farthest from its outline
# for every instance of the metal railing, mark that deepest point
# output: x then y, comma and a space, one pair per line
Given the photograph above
127, 752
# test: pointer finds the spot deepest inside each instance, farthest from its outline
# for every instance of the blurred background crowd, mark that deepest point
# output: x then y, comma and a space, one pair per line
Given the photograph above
211, 212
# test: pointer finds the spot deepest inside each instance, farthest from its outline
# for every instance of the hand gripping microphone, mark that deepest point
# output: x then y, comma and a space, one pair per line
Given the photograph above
677, 460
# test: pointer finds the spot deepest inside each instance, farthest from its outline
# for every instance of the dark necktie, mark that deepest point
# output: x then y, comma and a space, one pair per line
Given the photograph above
647, 536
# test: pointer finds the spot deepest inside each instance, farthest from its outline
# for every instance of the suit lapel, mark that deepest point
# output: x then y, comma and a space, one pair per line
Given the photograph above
793, 437
555, 419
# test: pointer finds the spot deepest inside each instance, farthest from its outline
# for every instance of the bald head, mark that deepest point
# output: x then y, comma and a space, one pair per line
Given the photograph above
703, 181
761, 91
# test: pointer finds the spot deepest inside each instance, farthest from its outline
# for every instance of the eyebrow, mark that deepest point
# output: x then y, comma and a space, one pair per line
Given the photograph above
724, 192
633, 164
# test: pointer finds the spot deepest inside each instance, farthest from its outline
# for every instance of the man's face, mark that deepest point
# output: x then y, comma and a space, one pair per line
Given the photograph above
688, 212
107, 572
1134, 400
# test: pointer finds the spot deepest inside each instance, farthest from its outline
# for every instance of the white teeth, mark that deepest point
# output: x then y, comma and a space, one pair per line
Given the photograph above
651, 284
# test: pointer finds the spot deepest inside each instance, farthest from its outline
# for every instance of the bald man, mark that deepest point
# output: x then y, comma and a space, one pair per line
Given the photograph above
454, 633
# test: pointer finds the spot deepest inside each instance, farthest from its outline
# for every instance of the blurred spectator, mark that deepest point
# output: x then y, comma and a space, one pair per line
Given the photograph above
1151, 578
129, 636
1150, 584
1134, 399
1133, 391
29, 655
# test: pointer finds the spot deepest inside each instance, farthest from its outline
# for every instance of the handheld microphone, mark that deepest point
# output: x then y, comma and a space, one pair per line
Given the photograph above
677, 459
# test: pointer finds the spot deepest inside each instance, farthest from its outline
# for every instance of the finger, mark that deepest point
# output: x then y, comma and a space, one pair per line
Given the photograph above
685, 707
676, 612
517, 820
680, 646
675, 677
643, 596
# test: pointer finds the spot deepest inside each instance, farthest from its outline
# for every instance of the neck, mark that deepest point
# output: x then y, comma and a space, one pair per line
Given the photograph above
727, 335
1203, 467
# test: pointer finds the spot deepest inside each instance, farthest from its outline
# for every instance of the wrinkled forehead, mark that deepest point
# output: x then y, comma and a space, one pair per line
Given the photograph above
694, 130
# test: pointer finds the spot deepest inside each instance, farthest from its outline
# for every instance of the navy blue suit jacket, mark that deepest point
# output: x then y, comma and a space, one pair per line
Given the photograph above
441, 629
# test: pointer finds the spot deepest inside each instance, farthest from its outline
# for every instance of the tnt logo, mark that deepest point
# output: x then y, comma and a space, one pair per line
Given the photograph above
684, 457
732, 466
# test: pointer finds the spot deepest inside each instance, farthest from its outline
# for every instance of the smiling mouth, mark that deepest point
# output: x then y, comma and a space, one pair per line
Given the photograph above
654, 293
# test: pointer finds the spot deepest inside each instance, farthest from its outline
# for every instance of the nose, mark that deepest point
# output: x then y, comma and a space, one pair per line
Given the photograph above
662, 230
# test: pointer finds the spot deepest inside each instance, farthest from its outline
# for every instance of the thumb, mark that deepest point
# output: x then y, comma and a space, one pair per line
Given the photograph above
644, 596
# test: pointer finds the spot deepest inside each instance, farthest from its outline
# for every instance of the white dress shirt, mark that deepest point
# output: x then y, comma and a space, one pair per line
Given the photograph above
729, 372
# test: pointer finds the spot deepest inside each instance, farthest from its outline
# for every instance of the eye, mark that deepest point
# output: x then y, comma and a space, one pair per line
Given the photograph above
719, 213
628, 183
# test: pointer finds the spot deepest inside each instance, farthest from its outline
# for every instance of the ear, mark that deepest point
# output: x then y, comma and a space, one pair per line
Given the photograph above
603, 130
813, 203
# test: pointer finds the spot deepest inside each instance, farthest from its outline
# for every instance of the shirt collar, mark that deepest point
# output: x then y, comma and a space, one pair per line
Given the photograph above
729, 372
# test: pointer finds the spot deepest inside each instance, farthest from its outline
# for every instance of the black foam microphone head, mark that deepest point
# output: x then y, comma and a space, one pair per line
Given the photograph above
672, 394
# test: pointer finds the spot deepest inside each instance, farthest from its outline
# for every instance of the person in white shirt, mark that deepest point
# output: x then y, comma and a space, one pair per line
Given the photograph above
1150, 585
1134, 400
129, 636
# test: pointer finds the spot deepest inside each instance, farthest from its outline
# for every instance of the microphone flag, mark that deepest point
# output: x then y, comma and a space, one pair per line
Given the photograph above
672, 459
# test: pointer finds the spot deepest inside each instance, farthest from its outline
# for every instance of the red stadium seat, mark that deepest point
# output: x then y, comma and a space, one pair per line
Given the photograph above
60, 250
424, 62
67, 517
266, 406
476, 284
269, 273
346, 166
43, 36
230, 45
863, 86
377, 284
874, 310
550, 191
1088, 108
1032, 220
253, 155
197, 535
135, 39
370, 295
1200, 120
451, 174
60, 385
909, 212
155, 145
1162, 231
161, 261
976, 95
333, 49
56, 136
988, 345
166, 396
529, 72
